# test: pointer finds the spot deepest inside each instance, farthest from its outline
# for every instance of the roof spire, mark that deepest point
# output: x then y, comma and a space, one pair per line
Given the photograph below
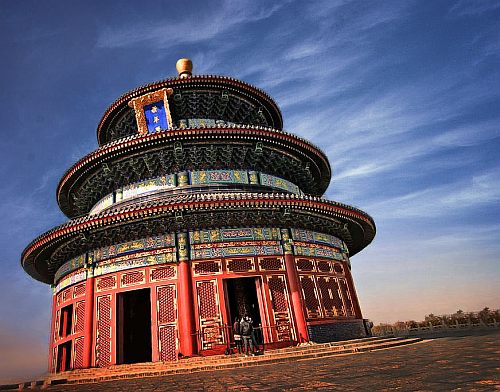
184, 68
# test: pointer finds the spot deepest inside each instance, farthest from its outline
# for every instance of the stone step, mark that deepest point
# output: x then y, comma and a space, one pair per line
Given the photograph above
161, 369
294, 351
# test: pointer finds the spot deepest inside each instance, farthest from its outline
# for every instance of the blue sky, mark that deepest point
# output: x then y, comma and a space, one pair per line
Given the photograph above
403, 96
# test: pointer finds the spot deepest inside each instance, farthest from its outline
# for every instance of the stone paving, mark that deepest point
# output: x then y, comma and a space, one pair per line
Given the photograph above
470, 363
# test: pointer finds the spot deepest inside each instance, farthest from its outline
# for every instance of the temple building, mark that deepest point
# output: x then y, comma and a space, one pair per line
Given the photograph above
196, 208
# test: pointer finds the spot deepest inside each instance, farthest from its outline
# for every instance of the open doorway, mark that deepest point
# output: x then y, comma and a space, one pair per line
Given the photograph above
134, 326
242, 299
64, 357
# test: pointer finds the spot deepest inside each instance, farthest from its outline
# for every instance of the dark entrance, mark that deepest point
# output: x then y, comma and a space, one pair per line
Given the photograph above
242, 299
134, 326
64, 357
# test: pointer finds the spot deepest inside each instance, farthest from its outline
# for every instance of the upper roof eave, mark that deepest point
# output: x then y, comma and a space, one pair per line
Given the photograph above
176, 81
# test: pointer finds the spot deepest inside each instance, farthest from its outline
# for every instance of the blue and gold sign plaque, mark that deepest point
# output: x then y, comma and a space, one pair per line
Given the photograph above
152, 112
156, 116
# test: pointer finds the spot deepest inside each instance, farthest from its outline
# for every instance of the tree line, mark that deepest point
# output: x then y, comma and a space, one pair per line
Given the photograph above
460, 318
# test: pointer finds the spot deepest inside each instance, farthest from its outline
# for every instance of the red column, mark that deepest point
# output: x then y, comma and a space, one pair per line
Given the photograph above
185, 299
52, 332
88, 322
294, 287
354, 296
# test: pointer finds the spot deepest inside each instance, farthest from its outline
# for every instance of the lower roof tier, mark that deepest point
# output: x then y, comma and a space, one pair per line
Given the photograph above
139, 158
47, 253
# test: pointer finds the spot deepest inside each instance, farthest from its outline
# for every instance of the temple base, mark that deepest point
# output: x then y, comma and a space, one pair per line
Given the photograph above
332, 332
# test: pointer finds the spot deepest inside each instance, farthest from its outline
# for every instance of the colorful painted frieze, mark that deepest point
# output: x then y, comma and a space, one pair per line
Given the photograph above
70, 266
157, 242
134, 262
102, 204
220, 235
219, 177
317, 238
314, 250
276, 182
143, 187
209, 253
75, 277
201, 122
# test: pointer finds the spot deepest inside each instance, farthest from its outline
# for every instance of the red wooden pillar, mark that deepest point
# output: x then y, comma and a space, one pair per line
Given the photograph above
294, 287
88, 321
354, 296
185, 299
52, 333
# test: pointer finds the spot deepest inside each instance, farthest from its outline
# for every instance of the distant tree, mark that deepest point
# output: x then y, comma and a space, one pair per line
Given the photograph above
412, 324
485, 315
434, 320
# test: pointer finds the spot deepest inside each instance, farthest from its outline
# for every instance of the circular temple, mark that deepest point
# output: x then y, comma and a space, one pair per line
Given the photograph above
196, 209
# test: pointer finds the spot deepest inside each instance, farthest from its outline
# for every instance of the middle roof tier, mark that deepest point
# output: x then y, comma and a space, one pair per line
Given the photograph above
137, 158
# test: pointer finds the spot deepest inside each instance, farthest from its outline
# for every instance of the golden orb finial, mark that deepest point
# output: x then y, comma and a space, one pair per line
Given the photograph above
184, 68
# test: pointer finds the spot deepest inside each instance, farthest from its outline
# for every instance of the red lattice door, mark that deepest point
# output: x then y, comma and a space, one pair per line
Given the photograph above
211, 333
79, 317
79, 353
281, 308
166, 305
311, 297
103, 331
346, 297
330, 296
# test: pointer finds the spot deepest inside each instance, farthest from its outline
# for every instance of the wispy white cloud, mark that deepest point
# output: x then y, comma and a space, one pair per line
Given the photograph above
463, 8
215, 21
447, 199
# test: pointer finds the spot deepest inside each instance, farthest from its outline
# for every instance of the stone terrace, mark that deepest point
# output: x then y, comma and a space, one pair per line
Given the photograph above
469, 363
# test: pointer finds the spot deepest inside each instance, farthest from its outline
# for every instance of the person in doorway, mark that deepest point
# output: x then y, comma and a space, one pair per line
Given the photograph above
254, 340
236, 334
246, 334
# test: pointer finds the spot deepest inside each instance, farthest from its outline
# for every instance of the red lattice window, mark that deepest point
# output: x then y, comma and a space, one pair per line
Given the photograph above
207, 299
163, 273
337, 267
166, 304
107, 282
58, 299
78, 353
168, 340
305, 265
240, 265
207, 267
54, 360
327, 297
271, 264
346, 297
66, 295
56, 325
310, 296
79, 290
133, 278
337, 300
278, 294
323, 266
103, 339
79, 316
